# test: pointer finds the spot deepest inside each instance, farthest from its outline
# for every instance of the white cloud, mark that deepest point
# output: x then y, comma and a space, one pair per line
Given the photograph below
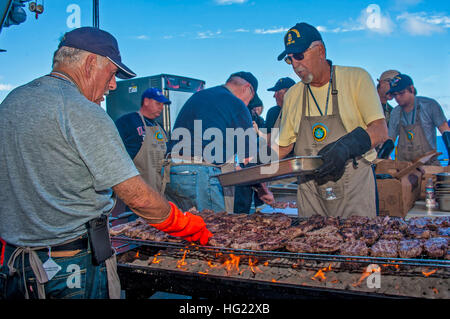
227, 2
141, 37
6, 87
422, 23
241, 30
208, 34
271, 31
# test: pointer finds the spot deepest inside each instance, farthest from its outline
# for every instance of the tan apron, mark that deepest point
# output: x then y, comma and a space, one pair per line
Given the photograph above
354, 193
412, 142
150, 158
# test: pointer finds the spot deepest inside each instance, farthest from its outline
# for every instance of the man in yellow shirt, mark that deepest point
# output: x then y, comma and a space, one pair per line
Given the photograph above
333, 112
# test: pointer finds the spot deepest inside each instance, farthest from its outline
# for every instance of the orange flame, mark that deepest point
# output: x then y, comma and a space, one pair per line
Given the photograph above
137, 254
253, 267
320, 274
435, 291
365, 275
426, 274
182, 261
155, 259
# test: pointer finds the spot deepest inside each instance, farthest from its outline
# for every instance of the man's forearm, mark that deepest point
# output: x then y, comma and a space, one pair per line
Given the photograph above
378, 132
143, 200
282, 151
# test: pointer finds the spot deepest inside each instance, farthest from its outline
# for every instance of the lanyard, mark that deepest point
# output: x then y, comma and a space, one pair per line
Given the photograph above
413, 120
328, 94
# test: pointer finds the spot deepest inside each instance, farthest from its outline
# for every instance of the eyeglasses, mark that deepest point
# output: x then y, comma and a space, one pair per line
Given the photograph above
297, 56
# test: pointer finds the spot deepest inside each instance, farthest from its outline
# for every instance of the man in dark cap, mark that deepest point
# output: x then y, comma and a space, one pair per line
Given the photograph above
274, 113
415, 120
144, 139
58, 174
334, 112
201, 145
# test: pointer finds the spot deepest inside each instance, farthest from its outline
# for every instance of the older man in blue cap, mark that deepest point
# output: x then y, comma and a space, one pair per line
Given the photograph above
334, 112
415, 120
144, 139
58, 174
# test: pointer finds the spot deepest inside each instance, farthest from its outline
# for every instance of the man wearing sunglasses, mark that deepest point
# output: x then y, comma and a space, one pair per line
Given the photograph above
415, 120
333, 112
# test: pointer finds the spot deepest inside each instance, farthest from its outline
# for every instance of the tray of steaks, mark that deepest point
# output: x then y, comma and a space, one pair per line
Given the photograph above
419, 241
302, 166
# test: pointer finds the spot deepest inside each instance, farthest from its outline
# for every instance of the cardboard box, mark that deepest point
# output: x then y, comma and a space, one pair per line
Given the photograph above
429, 171
396, 196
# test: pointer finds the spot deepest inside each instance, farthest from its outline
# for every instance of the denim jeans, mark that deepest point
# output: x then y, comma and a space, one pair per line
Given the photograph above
77, 279
192, 185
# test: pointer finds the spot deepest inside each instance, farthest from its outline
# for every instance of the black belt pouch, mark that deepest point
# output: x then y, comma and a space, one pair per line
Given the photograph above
99, 239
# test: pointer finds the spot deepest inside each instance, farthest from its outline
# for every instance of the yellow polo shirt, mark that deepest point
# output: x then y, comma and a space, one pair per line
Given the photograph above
358, 100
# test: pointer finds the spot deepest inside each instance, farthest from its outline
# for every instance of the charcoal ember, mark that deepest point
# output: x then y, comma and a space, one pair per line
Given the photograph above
443, 232
418, 233
384, 248
351, 233
354, 248
299, 245
410, 248
370, 235
392, 234
420, 222
324, 231
436, 247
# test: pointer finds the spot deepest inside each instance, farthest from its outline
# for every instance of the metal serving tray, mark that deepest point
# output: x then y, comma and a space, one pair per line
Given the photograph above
290, 167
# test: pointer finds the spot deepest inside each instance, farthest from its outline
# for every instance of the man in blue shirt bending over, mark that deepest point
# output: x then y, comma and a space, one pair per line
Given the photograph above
212, 134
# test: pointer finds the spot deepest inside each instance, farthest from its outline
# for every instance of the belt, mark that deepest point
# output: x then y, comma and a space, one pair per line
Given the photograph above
80, 243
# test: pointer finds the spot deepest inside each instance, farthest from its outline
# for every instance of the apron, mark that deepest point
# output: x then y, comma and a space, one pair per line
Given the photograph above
150, 159
354, 193
412, 142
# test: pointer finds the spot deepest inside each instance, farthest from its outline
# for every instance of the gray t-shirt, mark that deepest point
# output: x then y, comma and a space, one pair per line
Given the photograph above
431, 116
60, 154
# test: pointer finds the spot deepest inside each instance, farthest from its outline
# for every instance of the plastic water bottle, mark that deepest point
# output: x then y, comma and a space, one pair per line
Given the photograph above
430, 200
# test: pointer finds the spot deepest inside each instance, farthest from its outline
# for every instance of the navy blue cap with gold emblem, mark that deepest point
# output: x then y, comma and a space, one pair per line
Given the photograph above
299, 38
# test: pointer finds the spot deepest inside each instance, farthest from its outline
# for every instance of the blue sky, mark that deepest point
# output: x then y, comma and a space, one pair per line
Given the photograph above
210, 39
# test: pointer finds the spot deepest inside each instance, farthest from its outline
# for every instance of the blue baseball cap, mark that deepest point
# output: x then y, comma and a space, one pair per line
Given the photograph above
283, 83
399, 83
155, 94
299, 38
247, 76
99, 42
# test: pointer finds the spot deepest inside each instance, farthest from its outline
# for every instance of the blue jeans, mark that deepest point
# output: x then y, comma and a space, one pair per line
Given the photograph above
77, 279
190, 185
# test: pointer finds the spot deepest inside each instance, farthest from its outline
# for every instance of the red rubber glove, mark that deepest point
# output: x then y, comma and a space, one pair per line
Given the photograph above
185, 225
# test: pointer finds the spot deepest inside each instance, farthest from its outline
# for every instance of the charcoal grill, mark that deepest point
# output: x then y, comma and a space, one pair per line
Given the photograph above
140, 280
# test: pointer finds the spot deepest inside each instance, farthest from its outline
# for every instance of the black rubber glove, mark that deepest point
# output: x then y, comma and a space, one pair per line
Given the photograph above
336, 154
446, 139
386, 149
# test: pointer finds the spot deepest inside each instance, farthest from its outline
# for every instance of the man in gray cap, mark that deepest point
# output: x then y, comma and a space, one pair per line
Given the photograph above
274, 113
334, 112
58, 174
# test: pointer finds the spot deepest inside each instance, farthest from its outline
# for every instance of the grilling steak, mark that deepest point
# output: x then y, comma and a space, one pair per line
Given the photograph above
384, 248
410, 248
436, 247
354, 248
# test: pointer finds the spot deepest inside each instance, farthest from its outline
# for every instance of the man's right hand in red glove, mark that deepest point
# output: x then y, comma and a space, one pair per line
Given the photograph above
185, 225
